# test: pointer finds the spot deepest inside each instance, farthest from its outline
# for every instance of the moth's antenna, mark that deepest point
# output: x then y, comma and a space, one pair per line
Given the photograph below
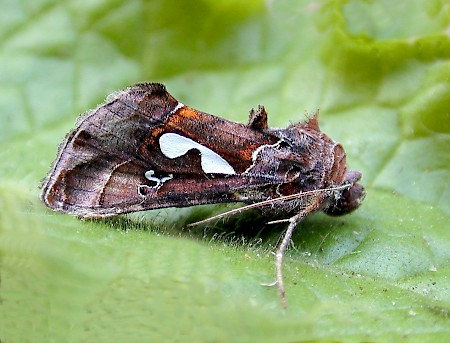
268, 202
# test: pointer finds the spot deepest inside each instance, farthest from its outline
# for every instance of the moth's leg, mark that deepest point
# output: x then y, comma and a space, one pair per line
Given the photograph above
293, 222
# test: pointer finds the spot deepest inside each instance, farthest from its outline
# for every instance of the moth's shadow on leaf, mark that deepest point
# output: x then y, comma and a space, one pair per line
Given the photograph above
249, 228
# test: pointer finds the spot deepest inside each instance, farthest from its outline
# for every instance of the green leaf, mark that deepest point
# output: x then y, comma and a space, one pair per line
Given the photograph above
379, 72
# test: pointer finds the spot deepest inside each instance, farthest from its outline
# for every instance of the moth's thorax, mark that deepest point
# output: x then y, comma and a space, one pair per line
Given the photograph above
312, 157
306, 159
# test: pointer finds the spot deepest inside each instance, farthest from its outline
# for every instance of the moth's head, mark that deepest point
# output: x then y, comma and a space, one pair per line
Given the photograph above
348, 199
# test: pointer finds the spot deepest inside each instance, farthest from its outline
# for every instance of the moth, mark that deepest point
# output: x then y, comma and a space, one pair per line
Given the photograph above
142, 149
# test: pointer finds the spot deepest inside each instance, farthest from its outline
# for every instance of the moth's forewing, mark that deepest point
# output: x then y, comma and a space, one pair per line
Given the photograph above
100, 168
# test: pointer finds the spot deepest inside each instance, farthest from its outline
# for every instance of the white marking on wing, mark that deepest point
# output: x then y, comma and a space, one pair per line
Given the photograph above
257, 151
173, 145
159, 181
177, 107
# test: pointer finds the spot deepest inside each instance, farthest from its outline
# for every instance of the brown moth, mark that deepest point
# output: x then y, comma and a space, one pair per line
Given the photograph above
142, 149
